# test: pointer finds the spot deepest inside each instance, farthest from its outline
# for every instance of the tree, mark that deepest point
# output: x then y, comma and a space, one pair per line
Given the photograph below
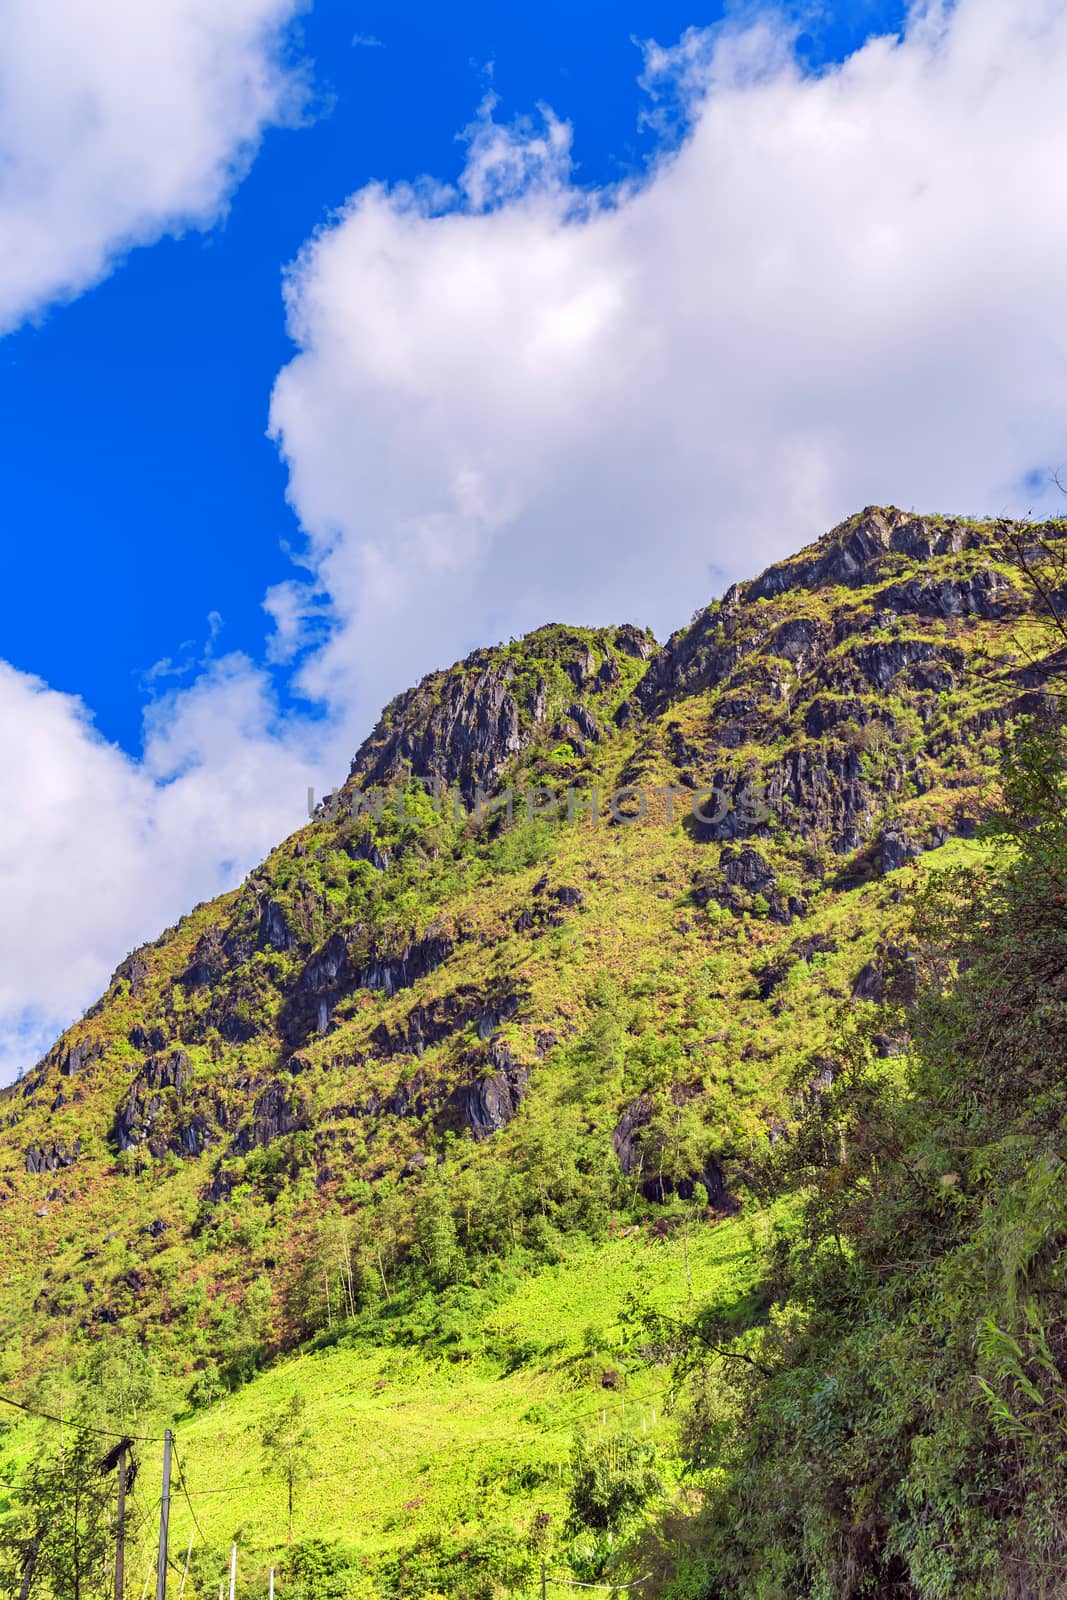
435, 1234
58, 1539
904, 1430
611, 1481
286, 1441
122, 1382
316, 1569
675, 1148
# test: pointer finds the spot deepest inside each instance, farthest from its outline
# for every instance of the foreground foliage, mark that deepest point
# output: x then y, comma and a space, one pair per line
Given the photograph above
905, 1432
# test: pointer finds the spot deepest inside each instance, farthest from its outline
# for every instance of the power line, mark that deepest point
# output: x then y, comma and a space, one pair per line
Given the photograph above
80, 1427
531, 1433
616, 1588
320, 1477
561, 1427
185, 1492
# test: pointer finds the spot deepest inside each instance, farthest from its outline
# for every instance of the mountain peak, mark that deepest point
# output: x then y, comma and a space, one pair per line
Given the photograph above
463, 725
855, 551
878, 544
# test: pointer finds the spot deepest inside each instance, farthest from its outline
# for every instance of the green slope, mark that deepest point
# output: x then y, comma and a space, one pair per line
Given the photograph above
410, 1443
424, 1089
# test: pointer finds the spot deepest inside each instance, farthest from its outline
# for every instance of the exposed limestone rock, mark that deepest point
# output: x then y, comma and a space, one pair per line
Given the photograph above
773, 973
325, 968
209, 962
891, 977
274, 930
74, 1058
897, 849
142, 1038
428, 1024
134, 970
800, 640
585, 722
275, 1113
544, 914
413, 1097
812, 789
461, 728
884, 659
853, 553
869, 983
52, 1157
567, 895
746, 869
735, 636
340, 968
194, 1134
983, 594
580, 665
626, 1141
500, 1011
742, 875
364, 847
391, 972
826, 713
145, 1101
490, 1102
635, 641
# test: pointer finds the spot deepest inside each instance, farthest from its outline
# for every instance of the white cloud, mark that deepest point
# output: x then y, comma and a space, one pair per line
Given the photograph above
99, 852
517, 399
121, 121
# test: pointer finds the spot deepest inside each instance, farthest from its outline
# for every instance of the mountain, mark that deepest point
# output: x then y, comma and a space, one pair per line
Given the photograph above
558, 958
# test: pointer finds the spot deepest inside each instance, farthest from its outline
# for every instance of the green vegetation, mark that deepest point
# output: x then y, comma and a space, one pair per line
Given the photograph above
669, 1201
903, 1432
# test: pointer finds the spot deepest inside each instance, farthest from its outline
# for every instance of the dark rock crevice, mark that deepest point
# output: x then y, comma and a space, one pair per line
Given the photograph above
630, 1144
53, 1157
490, 1101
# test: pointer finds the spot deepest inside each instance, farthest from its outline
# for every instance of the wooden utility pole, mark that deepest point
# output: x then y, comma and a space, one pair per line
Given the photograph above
120, 1533
164, 1520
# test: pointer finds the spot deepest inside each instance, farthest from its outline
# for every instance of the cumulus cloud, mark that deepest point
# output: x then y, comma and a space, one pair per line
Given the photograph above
99, 852
121, 121
518, 399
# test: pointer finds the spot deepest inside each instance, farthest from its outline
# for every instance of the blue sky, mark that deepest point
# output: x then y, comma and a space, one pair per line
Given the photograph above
575, 326
142, 492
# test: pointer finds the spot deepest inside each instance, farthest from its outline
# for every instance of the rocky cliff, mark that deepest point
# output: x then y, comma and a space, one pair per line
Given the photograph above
575, 878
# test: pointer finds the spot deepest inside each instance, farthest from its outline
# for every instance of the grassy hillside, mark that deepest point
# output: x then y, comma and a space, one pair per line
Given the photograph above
412, 1443
439, 1093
